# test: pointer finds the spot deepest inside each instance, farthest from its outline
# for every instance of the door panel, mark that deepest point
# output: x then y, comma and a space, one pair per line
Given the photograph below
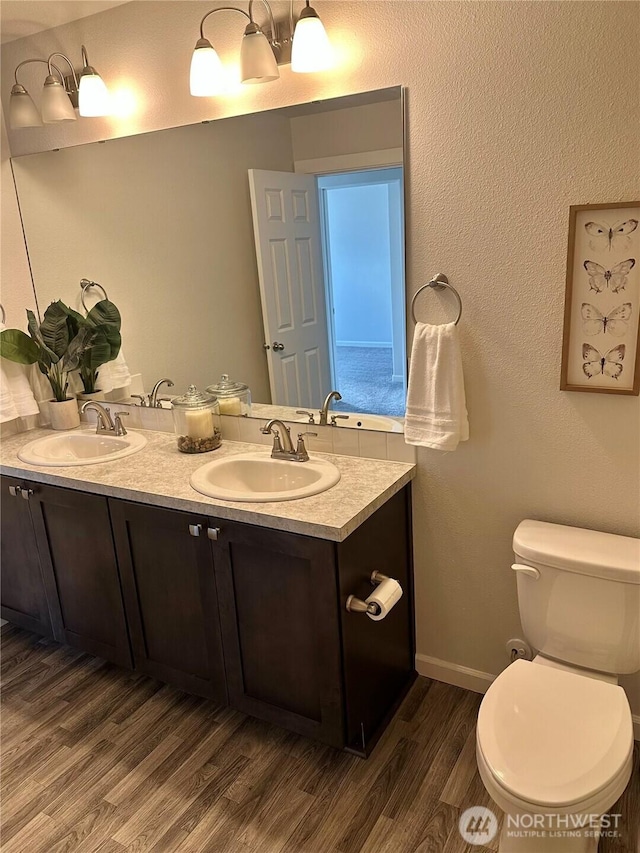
278, 607
73, 534
289, 253
170, 596
24, 601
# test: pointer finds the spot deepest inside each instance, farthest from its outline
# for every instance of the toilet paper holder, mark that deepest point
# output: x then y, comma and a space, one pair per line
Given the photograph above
357, 605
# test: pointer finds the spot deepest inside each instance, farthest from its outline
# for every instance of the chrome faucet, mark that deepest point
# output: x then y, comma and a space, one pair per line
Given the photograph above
324, 411
104, 424
153, 396
278, 430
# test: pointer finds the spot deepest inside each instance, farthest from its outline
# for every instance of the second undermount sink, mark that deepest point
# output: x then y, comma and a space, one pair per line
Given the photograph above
256, 477
80, 447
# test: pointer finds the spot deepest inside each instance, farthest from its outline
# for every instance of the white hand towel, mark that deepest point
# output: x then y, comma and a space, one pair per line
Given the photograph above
16, 396
114, 374
436, 409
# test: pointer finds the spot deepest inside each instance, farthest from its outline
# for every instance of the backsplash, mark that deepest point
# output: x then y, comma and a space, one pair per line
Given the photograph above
340, 440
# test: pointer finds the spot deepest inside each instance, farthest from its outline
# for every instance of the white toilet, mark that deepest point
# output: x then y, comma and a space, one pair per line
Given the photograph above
554, 738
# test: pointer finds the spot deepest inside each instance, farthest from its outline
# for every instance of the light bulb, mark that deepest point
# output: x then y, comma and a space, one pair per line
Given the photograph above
93, 95
22, 111
206, 76
257, 61
56, 105
311, 49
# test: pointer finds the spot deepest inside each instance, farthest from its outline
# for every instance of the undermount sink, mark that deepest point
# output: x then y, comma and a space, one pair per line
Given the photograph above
375, 422
258, 478
81, 447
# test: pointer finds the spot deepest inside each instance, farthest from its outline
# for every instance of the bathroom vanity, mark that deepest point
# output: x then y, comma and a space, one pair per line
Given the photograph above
242, 603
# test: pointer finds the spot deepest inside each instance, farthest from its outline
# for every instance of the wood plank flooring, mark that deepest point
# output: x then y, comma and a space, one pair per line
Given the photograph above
100, 760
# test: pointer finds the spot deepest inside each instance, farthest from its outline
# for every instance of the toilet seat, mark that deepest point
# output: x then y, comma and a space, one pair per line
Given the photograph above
553, 738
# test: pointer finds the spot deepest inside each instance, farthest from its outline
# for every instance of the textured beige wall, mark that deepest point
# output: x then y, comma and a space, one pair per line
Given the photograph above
515, 111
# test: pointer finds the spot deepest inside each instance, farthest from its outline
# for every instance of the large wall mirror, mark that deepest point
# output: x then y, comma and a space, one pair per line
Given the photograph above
269, 247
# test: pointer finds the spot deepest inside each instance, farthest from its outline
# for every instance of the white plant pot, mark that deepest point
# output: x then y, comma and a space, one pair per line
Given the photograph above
64, 415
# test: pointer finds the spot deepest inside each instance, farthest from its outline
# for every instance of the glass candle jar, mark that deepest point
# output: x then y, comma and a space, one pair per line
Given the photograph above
196, 420
234, 398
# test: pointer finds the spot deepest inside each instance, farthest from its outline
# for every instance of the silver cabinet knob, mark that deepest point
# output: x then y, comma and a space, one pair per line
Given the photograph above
213, 533
266, 346
195, 529
26, 493
277, 347
14, 491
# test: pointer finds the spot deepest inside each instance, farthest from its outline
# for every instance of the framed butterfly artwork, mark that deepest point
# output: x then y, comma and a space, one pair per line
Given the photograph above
601, 342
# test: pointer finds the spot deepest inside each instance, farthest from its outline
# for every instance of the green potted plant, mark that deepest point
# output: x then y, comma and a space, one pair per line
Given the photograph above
104, 319
57, 346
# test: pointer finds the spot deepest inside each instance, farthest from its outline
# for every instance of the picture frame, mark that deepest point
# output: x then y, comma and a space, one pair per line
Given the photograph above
601, 335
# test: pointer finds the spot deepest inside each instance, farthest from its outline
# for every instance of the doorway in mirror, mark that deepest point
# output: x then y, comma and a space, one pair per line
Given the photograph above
330, 256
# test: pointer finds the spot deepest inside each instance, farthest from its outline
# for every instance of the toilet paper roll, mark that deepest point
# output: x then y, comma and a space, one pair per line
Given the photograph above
386, 595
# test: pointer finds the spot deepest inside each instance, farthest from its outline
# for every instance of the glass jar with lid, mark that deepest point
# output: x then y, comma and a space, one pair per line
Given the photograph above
196, 420
234, 397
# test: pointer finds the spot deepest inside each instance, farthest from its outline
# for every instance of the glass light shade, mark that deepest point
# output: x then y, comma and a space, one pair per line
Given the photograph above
257, 61
311, 49
56, 105
22, 111
93, 95
206, 75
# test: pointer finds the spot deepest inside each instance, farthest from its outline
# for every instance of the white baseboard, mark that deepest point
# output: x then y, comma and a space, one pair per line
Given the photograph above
366, 344
453, 673
473, 679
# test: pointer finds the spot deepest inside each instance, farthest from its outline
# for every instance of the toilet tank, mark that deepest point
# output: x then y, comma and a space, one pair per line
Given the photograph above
584, 606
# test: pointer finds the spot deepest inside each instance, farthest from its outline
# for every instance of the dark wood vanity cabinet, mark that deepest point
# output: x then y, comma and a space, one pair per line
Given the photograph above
169, 586
80, 571
280, 625
245, 615
22, 594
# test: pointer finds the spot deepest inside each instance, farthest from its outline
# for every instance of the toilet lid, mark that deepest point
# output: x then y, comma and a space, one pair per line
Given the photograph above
552, 737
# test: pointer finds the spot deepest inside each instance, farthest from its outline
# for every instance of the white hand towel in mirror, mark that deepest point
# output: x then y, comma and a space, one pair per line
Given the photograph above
436, 413
114, 374
16, 396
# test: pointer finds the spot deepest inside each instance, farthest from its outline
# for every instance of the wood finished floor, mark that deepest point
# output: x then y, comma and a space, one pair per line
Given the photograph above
100, 760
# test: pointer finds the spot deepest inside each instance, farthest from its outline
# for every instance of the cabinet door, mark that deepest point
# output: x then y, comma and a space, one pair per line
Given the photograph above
24, 602
170, 597
278, 608
73, 533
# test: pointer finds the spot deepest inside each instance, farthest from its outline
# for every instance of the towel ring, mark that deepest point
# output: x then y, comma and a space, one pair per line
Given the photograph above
85, 284
2, 313
437, 282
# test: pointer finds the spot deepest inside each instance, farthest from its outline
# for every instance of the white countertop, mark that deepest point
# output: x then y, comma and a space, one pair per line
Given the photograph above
159, 475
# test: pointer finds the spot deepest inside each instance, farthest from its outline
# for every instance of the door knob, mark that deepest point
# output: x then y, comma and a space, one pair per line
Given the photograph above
277, 347
266, 346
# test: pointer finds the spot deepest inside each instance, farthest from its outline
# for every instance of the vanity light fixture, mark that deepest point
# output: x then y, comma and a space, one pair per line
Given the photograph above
257, 59
60, 95
306, 45
311, 49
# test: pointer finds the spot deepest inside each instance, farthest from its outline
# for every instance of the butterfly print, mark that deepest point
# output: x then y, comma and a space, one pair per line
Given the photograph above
606, 235
609, 364
615, 278
594, 321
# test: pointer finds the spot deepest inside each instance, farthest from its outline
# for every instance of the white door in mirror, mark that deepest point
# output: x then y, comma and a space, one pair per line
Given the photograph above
258, 478
82, 447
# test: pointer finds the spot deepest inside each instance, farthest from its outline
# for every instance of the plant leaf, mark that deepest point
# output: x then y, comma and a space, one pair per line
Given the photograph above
98, 353
46, 355
54, 328
104, 313
15, 345
78, 347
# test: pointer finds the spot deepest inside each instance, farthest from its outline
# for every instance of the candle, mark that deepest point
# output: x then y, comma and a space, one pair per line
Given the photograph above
230, 405
199, 424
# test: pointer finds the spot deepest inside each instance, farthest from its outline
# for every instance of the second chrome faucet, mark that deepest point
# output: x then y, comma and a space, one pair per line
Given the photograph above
282, 444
